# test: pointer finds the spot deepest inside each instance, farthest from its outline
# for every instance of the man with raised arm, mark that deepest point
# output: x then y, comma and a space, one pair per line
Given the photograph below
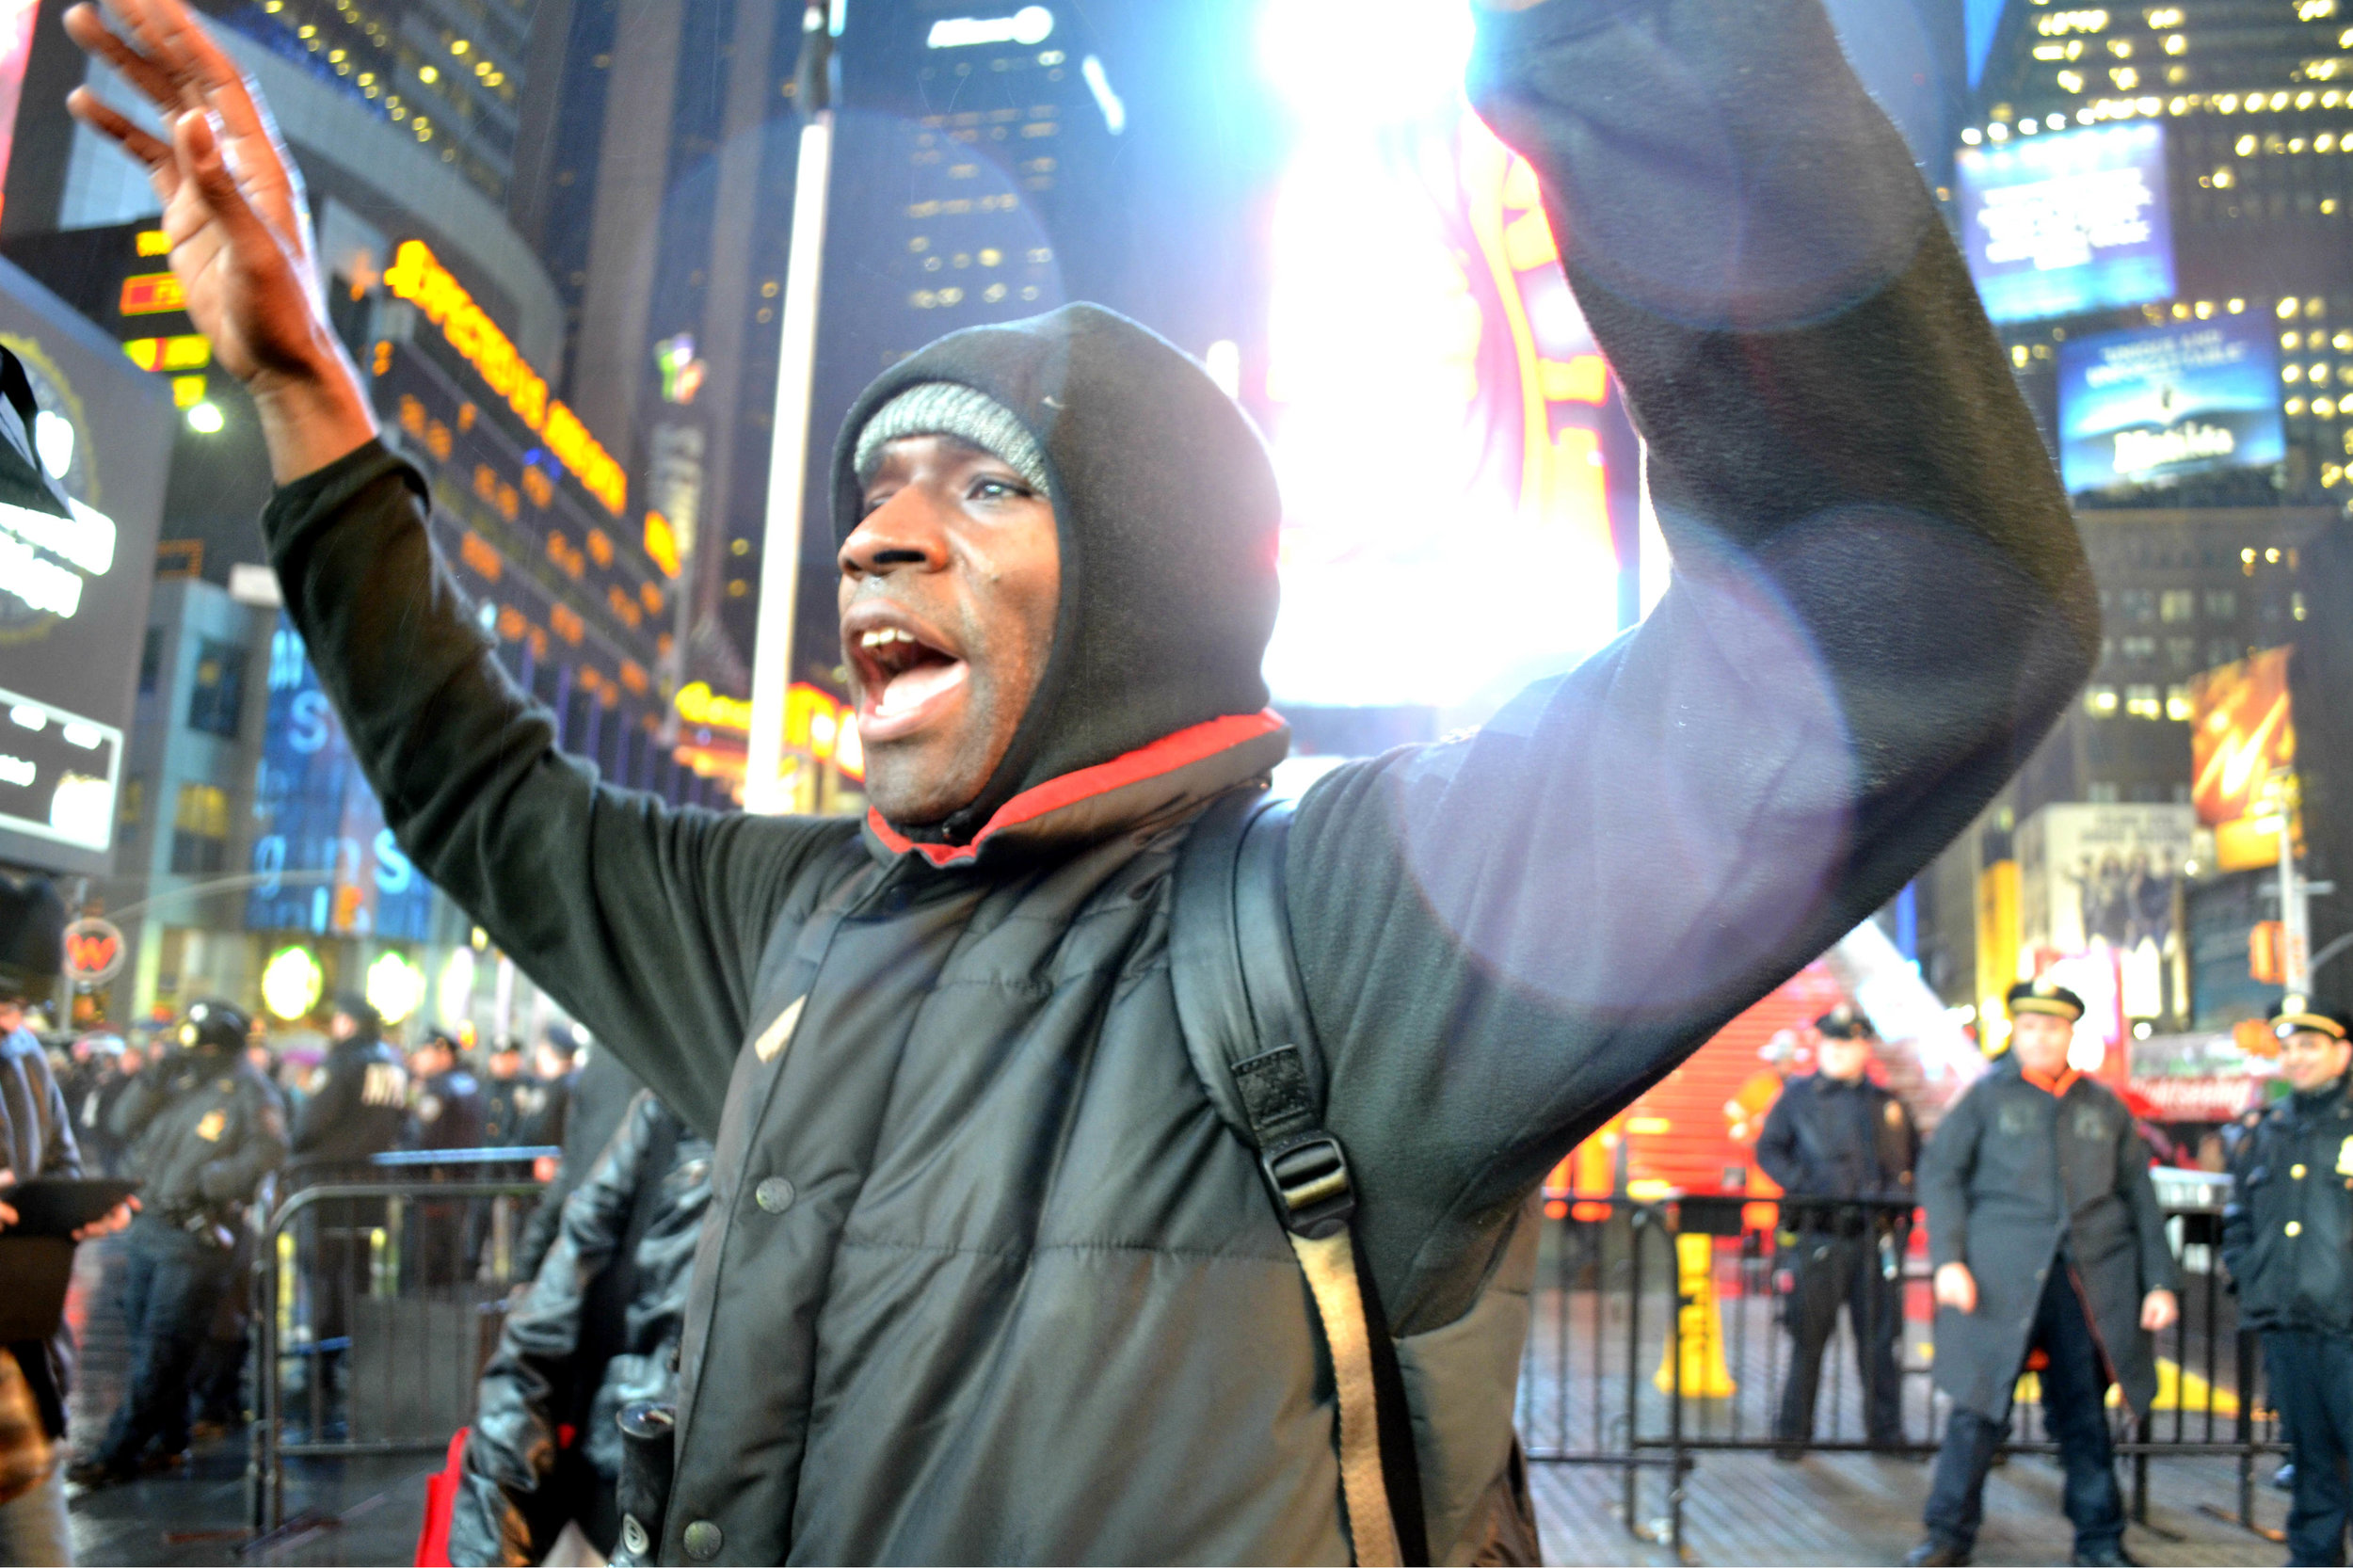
985, 1275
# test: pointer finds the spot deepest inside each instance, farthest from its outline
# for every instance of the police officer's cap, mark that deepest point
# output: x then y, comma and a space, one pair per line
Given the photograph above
562, 1040
2297, 1014
2047, 997
1843, 1022
359, 1010
214, 1025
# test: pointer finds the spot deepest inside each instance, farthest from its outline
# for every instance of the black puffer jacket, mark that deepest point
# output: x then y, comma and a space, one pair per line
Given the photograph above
597, 1331
987, 1277
2287, 1237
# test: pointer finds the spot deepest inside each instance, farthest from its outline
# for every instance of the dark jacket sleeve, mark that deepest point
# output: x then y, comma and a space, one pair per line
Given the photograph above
60, 1156
1779, 1151
642, 920
324, 1111
502, 1513
1945, 1166
1878, 605
237, 1174
2159, 1271
2238, 1220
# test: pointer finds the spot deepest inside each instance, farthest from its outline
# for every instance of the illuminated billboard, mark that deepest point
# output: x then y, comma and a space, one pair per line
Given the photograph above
2101, 879
2242, 751
1429, 380
74, 590
2068, 223
323, 862
2143, 407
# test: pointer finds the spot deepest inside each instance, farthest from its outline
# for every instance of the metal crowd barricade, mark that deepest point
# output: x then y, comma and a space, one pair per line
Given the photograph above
392, 1284
1658, 1334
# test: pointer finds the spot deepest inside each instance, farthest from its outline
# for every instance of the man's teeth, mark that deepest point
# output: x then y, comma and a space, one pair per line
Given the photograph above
884, 636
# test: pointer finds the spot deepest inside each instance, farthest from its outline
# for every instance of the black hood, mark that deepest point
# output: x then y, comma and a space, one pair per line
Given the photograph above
1165, 504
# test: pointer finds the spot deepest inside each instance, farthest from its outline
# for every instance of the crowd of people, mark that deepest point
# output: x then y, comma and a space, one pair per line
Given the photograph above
2050, 1254
213, 1121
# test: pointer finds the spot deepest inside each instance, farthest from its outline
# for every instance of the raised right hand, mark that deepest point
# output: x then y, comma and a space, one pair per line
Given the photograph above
238, 221
1957, 1287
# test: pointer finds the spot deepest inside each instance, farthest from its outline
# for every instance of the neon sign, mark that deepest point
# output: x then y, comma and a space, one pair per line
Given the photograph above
415, 276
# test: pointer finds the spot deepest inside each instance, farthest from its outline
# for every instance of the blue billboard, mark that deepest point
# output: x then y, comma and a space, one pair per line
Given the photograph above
2142, 406
326, 863
2068, 223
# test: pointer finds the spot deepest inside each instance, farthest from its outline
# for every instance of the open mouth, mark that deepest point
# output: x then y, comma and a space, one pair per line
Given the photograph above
904, 680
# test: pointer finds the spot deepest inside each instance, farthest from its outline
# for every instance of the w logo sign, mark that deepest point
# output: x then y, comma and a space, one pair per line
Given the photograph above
93, 950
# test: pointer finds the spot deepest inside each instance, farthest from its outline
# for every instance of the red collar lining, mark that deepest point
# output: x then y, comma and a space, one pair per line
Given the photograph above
2056, 1086
1164, 756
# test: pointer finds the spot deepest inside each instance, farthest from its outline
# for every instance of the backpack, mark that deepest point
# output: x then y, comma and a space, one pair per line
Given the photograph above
1428, 1458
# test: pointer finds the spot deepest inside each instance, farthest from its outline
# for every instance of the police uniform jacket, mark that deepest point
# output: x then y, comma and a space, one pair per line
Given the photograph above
449, 1113
985, 1277
355, 1110
2287, 1236
204, 1128
1826, 1138
2017, 1182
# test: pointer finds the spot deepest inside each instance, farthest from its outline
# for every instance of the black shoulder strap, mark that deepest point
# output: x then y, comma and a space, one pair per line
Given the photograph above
1253, 1044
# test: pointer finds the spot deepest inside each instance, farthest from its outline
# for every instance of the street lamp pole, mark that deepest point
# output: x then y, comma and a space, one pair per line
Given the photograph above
767, 787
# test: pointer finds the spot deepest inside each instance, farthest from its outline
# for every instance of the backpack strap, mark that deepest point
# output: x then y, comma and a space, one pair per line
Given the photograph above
1238, 991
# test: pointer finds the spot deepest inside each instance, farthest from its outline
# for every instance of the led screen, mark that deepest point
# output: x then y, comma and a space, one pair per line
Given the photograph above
74, 592
2068, 223
324, 863
2136, 407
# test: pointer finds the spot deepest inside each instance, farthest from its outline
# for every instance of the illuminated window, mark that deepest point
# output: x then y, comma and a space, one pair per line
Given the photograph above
2177, 604
2178, 706
2100, 701
2137, 649
200, 830
2142, 702
216, 700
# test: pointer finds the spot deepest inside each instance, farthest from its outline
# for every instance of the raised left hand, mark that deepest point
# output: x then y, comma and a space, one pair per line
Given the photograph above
2159, 1311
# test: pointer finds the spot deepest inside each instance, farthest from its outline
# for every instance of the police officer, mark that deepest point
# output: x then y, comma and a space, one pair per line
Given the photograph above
204, 1128
512, 1098
450, 1112
1835, 1134
2287, 1239
556, 1064
2046, 1232
359, 1099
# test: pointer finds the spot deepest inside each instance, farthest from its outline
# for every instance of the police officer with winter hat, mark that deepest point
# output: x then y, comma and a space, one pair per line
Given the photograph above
1835, 1134
2046, 1232
204, 1128
2287, 1239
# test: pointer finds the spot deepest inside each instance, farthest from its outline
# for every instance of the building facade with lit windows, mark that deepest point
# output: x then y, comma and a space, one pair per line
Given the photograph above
2156, 200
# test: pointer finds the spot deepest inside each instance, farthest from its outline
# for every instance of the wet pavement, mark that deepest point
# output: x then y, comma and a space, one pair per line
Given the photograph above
346, 1511
1739, 1508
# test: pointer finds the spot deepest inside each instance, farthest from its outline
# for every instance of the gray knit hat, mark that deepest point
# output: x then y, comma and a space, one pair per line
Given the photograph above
946, 409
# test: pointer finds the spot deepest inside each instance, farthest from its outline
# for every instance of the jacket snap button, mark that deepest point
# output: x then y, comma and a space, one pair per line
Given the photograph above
774, 1195
702, 1539
633, 1535
2296, 1171
2295, 1227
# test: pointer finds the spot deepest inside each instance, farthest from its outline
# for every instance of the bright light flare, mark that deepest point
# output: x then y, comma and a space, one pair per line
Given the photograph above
1438, 419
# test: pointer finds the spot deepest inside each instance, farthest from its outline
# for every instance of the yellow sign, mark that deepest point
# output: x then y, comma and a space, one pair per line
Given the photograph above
699, 704
418, 278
